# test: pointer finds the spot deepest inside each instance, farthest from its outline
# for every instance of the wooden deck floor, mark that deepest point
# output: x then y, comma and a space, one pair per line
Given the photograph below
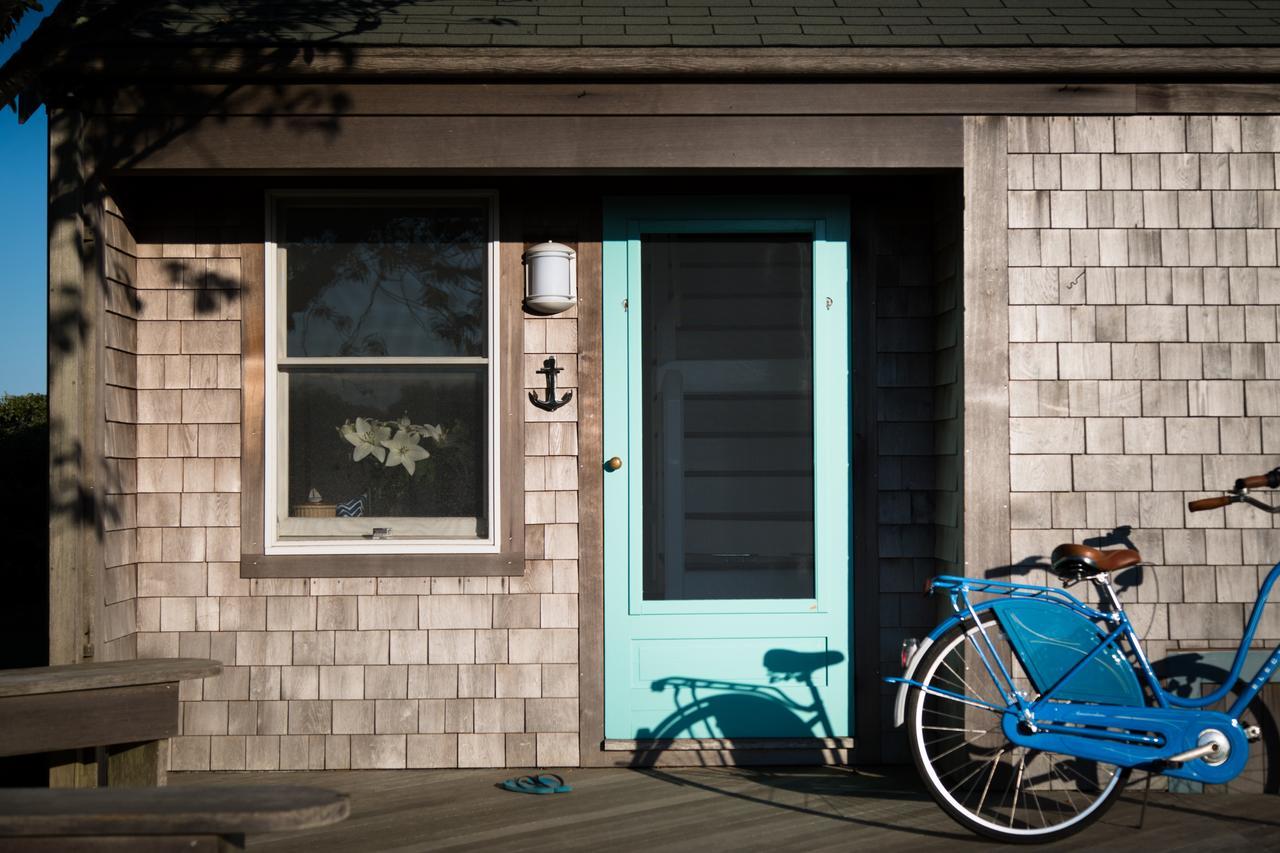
721, 809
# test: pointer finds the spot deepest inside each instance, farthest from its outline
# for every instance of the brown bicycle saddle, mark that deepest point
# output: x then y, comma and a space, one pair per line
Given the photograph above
1095, 558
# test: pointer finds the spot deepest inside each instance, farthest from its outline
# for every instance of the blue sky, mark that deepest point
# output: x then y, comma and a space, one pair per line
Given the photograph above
23, 175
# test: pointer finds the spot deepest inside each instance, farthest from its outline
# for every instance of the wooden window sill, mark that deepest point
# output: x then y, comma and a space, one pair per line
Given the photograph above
380, 565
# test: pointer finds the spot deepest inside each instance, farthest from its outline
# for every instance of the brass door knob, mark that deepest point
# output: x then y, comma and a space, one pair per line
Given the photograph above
613, 464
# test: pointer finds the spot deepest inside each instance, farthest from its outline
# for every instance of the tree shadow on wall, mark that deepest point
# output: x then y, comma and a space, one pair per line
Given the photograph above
102, 122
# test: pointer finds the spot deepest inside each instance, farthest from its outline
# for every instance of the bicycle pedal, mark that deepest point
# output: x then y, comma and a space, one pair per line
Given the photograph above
1252, 733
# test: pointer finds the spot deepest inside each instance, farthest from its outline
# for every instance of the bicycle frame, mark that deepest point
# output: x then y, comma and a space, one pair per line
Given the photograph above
1146, 736
1121, 628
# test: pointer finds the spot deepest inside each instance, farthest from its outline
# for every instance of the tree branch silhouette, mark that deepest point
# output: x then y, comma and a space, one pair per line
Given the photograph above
106, 114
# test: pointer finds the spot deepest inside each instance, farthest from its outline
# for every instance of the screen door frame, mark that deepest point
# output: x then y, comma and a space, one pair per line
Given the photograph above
629, 618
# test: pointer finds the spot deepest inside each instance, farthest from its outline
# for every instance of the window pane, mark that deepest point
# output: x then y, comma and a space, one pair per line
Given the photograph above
385, 280
398, 444
728, 416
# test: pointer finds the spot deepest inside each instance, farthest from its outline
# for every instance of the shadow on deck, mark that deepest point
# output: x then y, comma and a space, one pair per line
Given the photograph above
711, 809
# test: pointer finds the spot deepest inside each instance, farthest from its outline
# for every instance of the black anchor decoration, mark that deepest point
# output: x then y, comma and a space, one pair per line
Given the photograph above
550, 404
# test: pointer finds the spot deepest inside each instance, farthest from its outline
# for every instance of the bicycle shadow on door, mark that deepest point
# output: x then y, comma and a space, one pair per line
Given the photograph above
720, 714
726, 715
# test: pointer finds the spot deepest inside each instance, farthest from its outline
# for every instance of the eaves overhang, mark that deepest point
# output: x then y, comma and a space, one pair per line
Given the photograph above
940, 63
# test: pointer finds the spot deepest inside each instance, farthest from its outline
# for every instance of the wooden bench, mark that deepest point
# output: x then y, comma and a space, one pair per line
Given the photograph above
128, 707
194, 820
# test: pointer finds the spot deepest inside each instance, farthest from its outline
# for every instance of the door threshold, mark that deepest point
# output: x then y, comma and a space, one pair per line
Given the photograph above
618, 745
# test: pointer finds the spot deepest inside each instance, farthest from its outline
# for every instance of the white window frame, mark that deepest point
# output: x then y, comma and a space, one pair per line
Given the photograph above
275, 440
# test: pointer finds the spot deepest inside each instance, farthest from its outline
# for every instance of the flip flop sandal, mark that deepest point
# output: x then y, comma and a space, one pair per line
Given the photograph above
547, 783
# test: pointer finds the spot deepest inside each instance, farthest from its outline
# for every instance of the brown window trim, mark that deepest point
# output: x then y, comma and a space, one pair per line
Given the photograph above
509, 561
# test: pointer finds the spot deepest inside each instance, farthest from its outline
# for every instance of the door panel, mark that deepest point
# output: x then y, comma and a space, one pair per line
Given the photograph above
727, 529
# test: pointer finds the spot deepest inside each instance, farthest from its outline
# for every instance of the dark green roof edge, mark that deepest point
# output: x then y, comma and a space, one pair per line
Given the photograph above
709, 23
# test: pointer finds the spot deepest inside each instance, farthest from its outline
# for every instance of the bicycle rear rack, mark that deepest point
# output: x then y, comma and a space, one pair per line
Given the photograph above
959, 589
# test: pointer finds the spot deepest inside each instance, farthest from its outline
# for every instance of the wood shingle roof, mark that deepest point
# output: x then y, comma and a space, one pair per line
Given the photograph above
93, 41
715, 23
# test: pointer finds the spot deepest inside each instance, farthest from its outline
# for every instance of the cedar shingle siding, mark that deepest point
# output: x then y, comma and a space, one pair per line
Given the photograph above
1143, 355
322, 672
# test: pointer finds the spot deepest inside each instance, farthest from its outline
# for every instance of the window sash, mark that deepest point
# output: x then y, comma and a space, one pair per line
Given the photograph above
377, 361
283, 534
336, 528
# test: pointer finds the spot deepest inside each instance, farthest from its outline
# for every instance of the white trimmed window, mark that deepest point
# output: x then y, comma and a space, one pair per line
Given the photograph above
381, 378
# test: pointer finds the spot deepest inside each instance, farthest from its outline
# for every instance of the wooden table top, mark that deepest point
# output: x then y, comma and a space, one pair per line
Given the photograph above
93, 676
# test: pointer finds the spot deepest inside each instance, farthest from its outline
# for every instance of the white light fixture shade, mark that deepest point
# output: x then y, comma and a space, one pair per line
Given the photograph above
550, 278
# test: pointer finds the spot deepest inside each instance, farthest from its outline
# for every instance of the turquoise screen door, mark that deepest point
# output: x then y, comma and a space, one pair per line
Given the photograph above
726, 401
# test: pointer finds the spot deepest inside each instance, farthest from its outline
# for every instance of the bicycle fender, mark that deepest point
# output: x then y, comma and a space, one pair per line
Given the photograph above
1050, 639
1043, 629
900, 700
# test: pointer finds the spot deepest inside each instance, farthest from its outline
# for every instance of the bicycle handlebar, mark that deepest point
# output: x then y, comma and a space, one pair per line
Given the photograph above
1269, 480
1210, 503
1239, 493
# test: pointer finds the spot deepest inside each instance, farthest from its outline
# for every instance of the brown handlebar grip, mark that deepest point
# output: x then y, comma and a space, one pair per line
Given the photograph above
1210, 503
1258, 482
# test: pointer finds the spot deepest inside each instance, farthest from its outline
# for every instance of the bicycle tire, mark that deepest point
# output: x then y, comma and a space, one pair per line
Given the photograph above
928, 757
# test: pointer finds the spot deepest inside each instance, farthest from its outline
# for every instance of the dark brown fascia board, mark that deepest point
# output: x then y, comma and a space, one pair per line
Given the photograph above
351, 63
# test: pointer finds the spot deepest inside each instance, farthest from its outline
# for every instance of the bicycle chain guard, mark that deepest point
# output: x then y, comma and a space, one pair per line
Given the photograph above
1178, 730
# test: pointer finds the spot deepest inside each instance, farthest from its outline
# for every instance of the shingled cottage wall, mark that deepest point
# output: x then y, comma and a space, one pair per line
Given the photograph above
1143, 357
334, 673
1144, 371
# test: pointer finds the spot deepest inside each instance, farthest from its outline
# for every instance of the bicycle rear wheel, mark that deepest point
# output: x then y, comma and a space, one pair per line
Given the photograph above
975, 773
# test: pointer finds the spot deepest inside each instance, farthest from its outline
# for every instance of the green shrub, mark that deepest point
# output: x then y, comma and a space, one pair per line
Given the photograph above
20, 413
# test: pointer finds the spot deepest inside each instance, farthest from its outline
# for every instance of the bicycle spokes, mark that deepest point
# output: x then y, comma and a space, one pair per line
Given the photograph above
972, 767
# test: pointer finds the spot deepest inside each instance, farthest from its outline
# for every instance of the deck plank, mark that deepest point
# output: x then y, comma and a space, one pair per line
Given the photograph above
224, 810
713, 809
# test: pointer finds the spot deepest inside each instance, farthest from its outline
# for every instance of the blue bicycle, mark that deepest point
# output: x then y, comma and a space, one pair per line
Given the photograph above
1028, 708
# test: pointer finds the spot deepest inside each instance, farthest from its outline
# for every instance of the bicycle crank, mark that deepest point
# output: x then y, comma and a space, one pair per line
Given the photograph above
1214, 747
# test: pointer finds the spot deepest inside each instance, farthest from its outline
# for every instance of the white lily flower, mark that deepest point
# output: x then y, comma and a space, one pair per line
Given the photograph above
367, 438
404, 450
432, 431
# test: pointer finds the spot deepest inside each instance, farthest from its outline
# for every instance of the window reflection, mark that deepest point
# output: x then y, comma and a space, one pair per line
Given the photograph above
728, 416
385, 280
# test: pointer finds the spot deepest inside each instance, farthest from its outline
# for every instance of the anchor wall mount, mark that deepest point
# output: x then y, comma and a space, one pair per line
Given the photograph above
550, 404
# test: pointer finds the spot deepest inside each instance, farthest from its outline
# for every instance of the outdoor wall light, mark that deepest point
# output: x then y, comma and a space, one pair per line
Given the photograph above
550, 278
